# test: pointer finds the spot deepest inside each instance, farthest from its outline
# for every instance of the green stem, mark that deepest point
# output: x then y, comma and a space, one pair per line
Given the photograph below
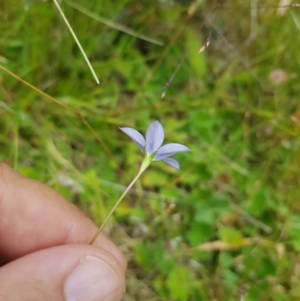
145, 164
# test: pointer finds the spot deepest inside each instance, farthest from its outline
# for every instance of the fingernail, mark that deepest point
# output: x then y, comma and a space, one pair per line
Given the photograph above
92, 280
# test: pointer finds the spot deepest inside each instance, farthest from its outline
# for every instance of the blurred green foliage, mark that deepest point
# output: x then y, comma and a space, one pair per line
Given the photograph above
227, 226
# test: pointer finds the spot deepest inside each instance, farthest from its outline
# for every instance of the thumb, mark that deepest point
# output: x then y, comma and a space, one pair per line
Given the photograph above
63, 273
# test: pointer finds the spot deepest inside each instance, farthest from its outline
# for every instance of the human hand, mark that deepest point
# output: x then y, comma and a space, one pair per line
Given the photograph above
44, 249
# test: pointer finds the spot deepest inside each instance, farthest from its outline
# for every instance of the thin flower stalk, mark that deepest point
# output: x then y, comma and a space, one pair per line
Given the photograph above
115, 206
153, 151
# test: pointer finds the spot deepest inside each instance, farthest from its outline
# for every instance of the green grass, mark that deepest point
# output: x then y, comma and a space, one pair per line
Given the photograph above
226, 226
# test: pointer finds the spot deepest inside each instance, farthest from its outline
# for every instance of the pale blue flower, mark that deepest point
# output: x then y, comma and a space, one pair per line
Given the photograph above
151, 146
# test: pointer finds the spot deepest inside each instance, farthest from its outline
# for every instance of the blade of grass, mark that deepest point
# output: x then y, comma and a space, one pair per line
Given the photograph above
57, 102
76, 40
114, 25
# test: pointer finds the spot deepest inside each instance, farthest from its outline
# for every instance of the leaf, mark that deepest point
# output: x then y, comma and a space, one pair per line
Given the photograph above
150, 255
197, 61
258, 202
178, 283
199, 233
230, 235
294, 232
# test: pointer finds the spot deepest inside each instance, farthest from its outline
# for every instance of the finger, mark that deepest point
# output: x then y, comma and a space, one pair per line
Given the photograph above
63, 273
34, 217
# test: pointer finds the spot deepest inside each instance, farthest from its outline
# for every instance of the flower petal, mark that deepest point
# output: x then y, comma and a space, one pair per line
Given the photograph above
174, 163
154, 137
169, 150
136, 136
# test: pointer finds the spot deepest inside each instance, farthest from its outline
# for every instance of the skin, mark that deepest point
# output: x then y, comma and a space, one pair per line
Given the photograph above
42, 239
